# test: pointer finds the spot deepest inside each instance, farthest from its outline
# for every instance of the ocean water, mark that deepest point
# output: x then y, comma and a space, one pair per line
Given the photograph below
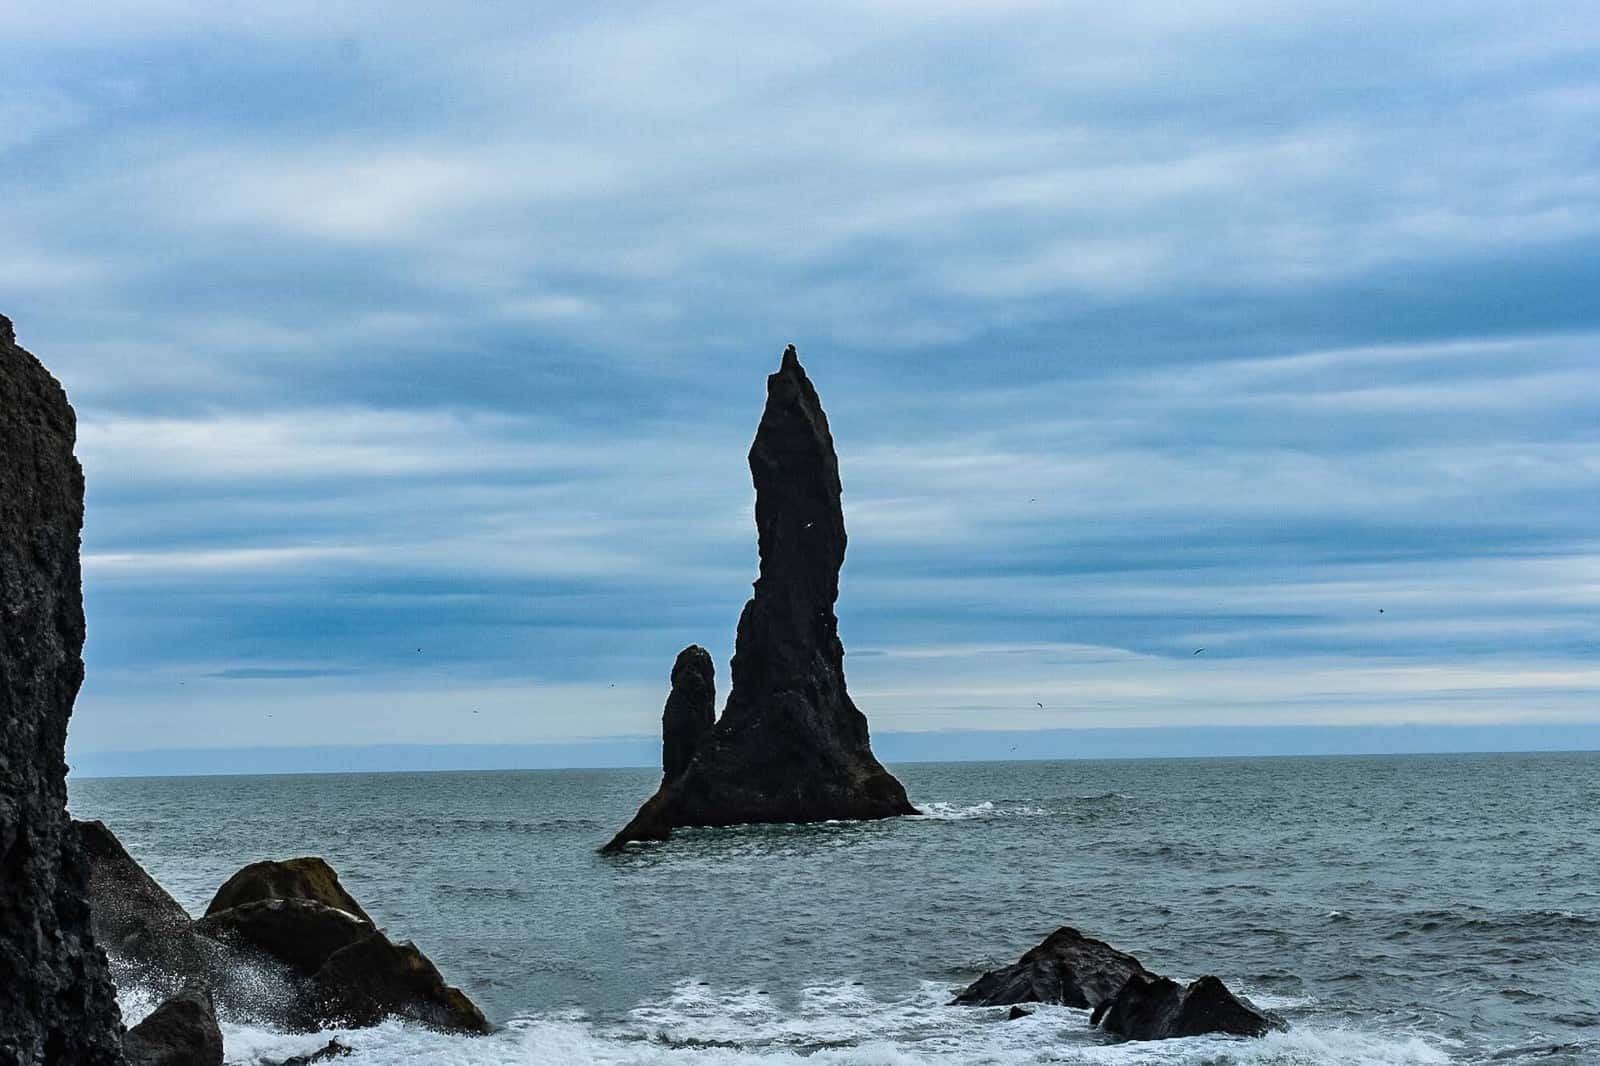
1432, 909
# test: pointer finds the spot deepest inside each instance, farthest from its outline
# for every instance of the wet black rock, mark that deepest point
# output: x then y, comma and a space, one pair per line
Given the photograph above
327, 1053
790, 745
277, 958
1066, 968
1017, 1014
57, 1003
1159, 1008
374, 978
309, 877
1125, 999
300, 933
691, 709
135, 919
297, 914
181, 1032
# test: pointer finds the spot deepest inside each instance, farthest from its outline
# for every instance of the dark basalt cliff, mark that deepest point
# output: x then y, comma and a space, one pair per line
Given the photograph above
57, 1004
790, 745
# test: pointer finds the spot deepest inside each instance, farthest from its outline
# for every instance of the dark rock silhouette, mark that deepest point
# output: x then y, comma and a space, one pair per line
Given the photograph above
181, 1032
1159, 1008
790, 745
1066, 968
57, 1003
304, 878
1016, 1014
691, 709
1125, 999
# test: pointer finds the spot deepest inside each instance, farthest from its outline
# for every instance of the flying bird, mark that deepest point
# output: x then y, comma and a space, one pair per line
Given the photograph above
1197, 651
1036, 703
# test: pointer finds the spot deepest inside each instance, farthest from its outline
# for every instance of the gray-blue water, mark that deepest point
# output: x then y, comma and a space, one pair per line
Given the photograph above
1394, 909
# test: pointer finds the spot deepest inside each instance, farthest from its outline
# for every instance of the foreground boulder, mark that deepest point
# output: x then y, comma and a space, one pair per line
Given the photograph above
1125, 999
300, 933
153, 943
57, 1004
296, 914
374, 978
790, 745
137, 920
181, 1032
304, 878
275, 957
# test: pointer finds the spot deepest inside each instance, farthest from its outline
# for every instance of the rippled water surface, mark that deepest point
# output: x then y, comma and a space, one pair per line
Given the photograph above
1431, 909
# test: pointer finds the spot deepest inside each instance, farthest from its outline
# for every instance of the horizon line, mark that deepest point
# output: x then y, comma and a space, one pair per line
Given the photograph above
640, 751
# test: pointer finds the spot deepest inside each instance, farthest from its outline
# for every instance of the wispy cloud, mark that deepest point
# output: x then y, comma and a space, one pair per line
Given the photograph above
1141, 328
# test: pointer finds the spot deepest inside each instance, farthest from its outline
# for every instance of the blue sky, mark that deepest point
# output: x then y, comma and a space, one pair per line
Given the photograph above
416, 359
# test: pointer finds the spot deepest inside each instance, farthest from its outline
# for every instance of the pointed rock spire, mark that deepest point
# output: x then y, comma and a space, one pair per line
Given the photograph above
790, 746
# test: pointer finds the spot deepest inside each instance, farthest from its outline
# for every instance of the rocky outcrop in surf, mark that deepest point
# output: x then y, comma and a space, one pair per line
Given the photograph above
57, 1003
181, 1032
1124, 998
308, 878
790, 745
148, 934
282, 943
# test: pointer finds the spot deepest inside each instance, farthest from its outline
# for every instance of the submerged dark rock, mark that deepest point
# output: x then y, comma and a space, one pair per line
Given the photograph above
181, 1032
57, 1003
790, 745
691, 709
1125, 999
309, 877
333, 1049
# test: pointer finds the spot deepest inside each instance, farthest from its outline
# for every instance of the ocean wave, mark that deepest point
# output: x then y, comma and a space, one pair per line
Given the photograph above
954, 812
837, 1024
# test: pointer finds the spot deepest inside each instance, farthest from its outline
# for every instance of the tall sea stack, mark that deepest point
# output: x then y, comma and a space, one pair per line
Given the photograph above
57, 1004
790, 745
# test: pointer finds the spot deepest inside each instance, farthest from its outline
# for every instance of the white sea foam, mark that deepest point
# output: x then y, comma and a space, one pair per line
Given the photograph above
954, 812
839, 1024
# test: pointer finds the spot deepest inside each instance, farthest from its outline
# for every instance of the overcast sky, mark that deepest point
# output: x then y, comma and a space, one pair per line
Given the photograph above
417, 355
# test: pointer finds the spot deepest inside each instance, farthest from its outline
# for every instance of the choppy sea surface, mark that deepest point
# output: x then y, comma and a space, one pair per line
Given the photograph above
1408, 909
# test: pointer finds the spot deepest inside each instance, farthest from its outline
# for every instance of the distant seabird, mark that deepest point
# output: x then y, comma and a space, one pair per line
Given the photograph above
1036, 703
1197, 651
